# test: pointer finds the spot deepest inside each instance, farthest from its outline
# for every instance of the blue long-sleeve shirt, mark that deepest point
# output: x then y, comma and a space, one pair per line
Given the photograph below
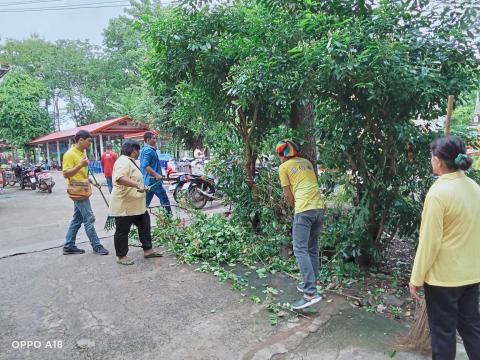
149, 157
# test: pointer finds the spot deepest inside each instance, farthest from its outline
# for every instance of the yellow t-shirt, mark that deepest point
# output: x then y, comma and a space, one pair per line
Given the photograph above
125, 200
298, 173
449, 244
71, 159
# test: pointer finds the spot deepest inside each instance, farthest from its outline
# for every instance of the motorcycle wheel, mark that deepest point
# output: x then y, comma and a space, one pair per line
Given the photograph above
176, 192
49, 189
33, 187
12, 183
22, 185
197, 198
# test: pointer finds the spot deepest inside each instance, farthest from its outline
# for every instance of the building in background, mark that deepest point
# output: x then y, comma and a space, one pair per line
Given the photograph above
51, 147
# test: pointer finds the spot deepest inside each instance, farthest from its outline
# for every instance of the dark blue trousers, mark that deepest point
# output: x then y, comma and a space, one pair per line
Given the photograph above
451, 309
160, 192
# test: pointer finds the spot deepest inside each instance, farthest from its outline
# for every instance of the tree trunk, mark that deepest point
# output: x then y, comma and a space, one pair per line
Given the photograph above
251, 158
75, 115
302, 117
56, 112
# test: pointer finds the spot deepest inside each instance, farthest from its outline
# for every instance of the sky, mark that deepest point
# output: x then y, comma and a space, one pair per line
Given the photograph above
72, 24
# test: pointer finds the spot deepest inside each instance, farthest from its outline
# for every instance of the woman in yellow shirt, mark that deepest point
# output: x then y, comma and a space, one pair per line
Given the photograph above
447, 260
127, 204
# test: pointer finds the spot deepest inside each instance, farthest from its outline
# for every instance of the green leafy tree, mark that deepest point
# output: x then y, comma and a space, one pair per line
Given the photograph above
365, 70
21, 116
61, 66
374, 69
225, 65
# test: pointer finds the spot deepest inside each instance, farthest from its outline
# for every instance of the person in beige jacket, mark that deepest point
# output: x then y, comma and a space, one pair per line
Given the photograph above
447, 261
127, 204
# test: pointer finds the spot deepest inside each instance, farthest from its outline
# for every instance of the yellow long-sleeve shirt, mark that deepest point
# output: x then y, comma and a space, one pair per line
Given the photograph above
448, 253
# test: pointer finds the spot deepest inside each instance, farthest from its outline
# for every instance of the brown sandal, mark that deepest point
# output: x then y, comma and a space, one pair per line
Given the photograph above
153, 255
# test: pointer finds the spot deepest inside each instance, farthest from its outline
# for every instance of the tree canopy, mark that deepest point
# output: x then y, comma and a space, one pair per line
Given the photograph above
363, 70
21, 117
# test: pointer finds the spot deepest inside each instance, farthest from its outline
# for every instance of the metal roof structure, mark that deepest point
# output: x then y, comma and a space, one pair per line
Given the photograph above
119, 126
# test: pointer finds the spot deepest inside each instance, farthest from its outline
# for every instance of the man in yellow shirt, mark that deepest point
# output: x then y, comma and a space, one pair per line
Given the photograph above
75, 167
300, 188
446, 263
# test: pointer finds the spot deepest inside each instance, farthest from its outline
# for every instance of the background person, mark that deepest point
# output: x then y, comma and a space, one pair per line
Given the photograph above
151, 170
446, 263
301, 190
75, 167
107, 160
127, 204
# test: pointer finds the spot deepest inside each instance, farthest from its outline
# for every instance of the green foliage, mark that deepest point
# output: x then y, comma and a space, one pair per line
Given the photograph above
218, 240
220, 68
463, 115
374, 72
21, 118
238, 69
62, 66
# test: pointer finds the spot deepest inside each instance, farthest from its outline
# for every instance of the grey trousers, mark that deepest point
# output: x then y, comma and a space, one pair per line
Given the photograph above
306, 231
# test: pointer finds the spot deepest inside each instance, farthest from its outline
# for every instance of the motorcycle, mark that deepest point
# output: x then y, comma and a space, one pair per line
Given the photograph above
44, 179
9, 176
26, 177
195, 188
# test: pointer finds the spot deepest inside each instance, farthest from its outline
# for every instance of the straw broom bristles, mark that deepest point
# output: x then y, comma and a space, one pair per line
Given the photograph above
418, 338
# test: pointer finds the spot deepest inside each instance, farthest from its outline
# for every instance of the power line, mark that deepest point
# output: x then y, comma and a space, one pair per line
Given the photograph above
96, 5
121, 3
49, 1
28, 2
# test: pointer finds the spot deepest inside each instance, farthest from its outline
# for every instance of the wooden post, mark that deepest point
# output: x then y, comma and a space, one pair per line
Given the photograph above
448, 122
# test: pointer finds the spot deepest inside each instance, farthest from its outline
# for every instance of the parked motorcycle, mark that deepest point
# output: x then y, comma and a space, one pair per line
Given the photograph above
8, 176
26, 176
44, 179
198, 190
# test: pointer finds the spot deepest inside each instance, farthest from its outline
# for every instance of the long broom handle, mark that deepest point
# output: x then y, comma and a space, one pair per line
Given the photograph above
100, 189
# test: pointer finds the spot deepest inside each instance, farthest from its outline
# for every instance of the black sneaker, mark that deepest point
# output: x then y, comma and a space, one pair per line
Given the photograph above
73, 250
100, 250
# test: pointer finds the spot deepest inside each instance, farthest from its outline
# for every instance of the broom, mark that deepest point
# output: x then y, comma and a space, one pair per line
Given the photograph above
98, 186
418, 338
110, 223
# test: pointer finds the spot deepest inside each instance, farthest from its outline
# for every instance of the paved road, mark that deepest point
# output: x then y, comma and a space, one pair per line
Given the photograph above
33, 220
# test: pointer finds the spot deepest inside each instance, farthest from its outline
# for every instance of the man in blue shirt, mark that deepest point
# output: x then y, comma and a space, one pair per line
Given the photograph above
151, 170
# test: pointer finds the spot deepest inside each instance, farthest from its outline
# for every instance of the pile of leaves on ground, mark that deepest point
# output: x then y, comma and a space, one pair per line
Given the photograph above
217, 244
220, 240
